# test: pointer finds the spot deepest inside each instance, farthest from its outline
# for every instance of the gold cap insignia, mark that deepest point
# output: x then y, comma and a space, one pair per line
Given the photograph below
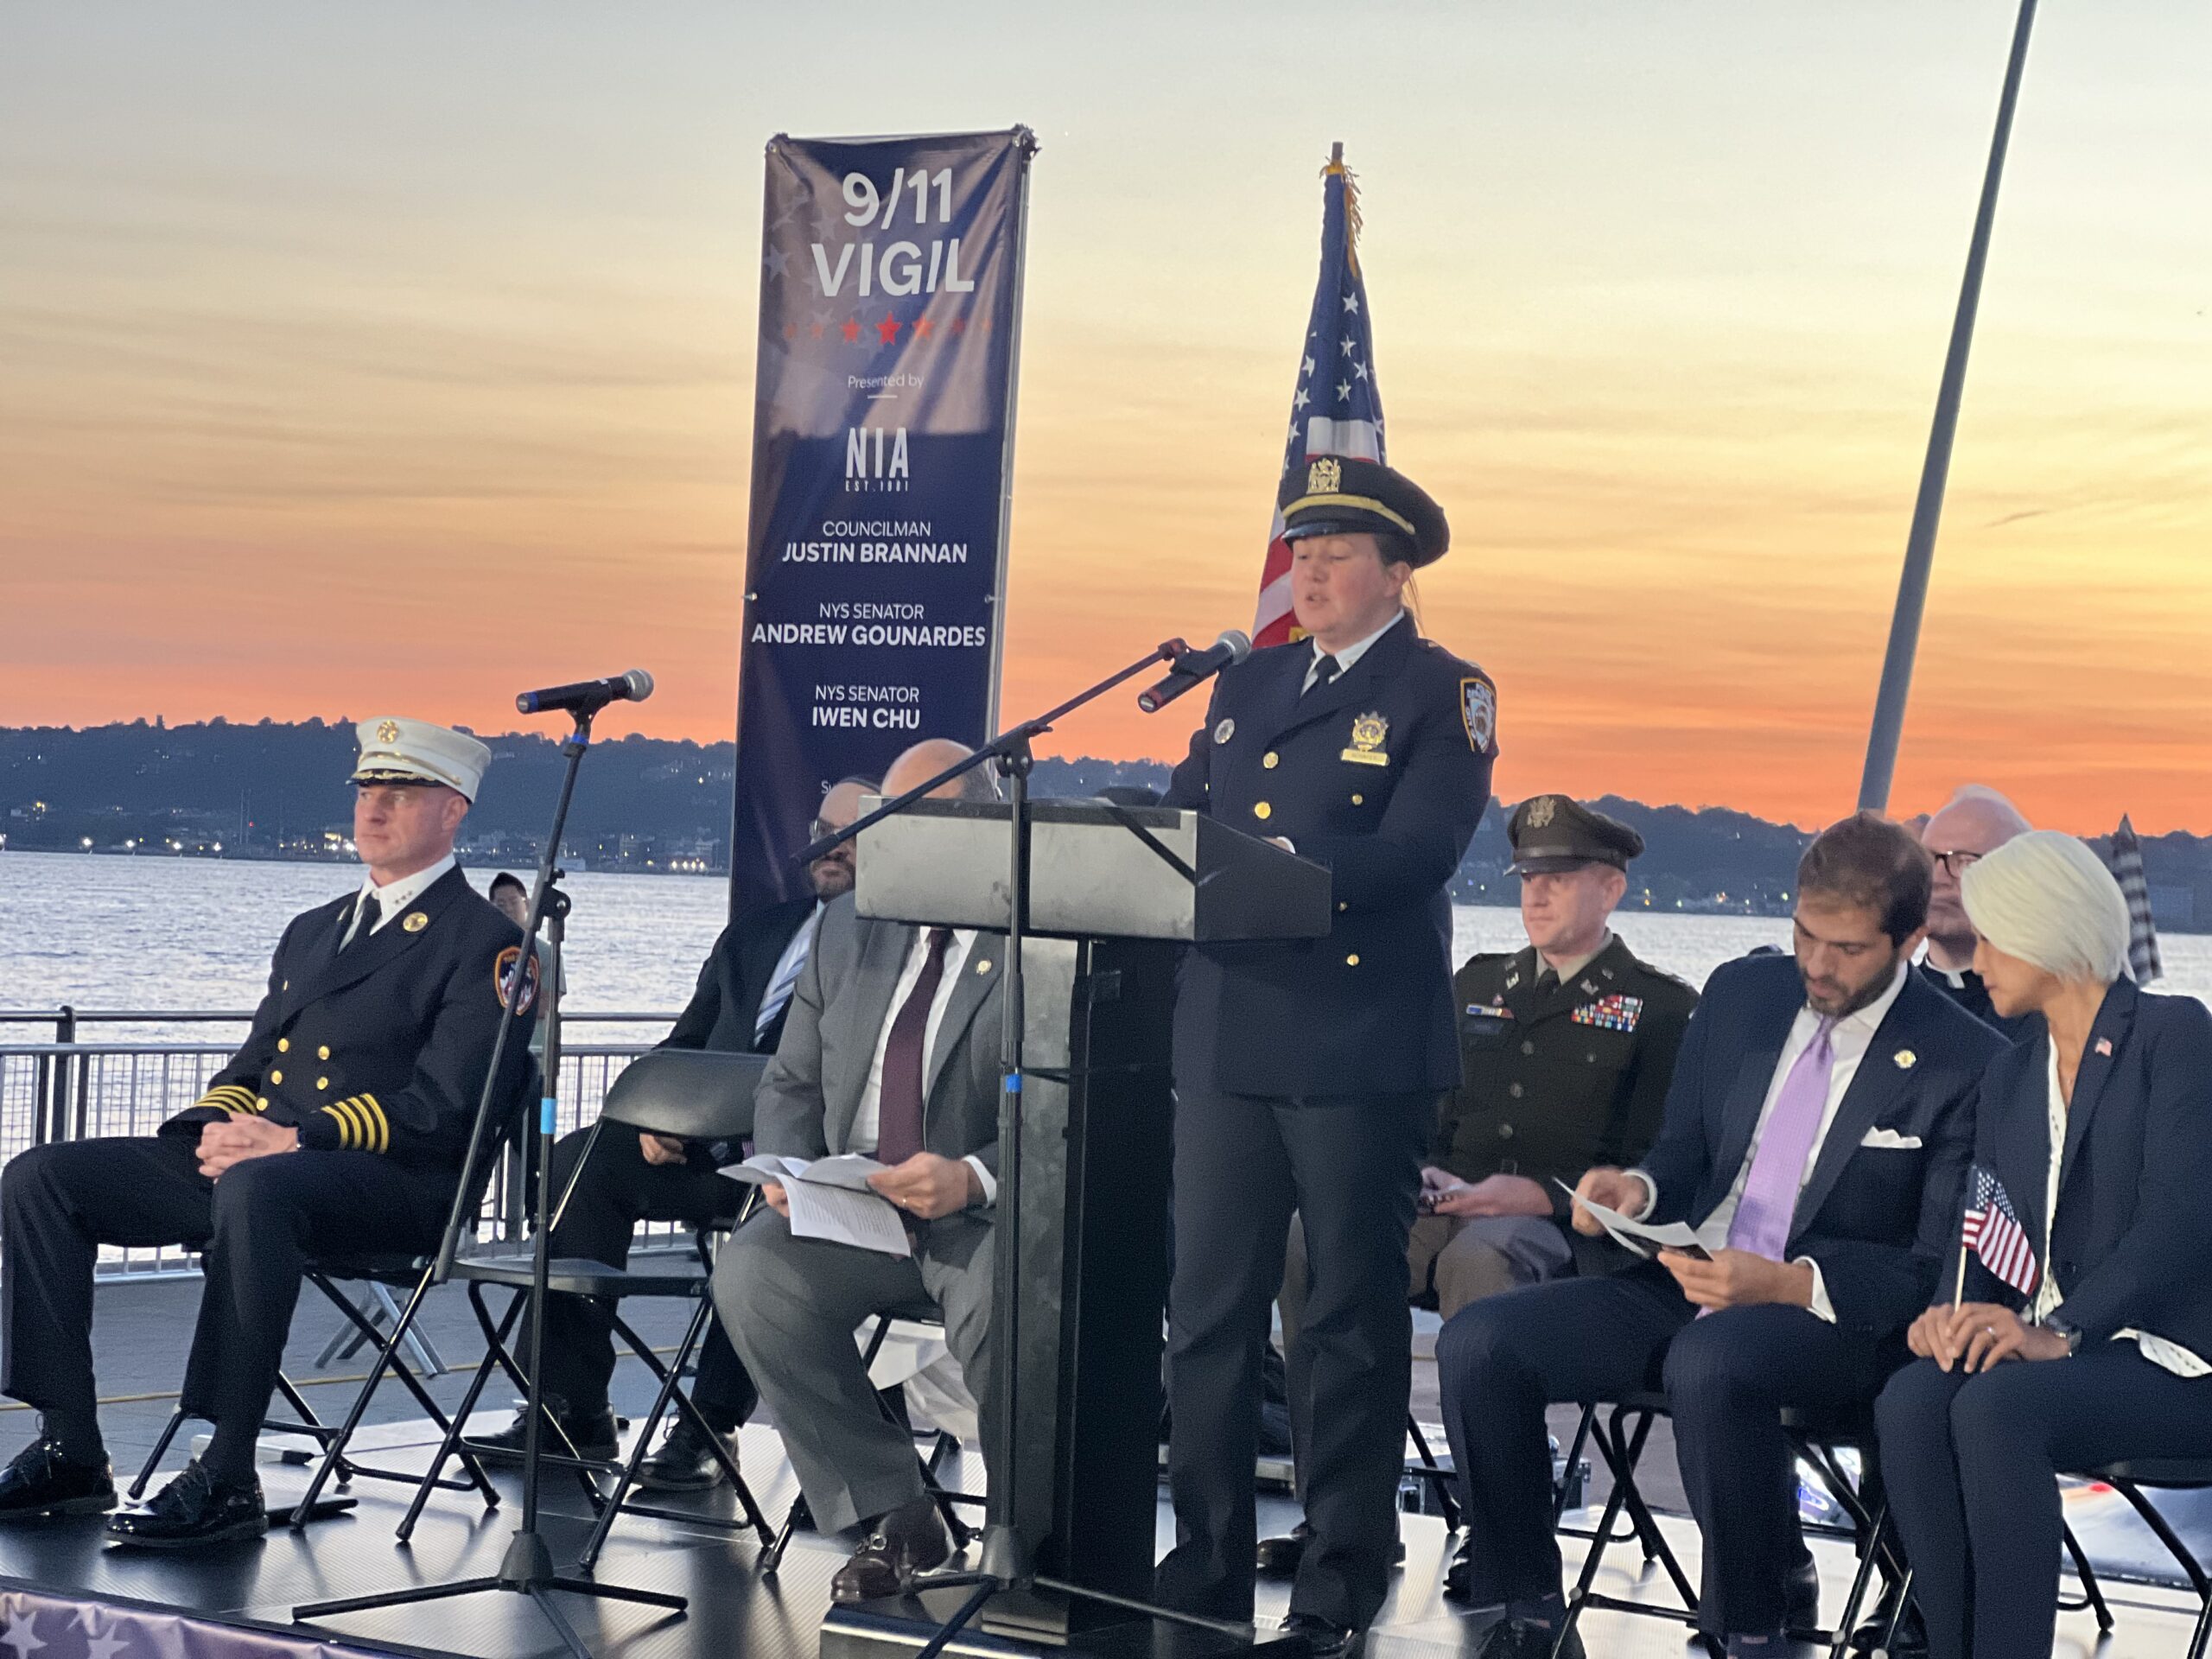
415, 922
1541, 811
389, 732
1325, 477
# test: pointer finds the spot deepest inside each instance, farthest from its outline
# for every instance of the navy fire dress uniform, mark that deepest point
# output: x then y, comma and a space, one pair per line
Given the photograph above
373, 1043
1307, 1073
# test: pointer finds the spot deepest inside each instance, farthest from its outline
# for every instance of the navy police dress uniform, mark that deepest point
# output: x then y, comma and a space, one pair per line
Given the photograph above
375, 1053
1307, 1072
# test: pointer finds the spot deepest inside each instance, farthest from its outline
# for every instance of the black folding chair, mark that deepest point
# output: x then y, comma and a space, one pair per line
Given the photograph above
942, 1446
396, 1271
690, 1094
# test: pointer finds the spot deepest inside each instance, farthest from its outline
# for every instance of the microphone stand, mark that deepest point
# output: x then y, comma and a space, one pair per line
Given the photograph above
527, 1567
1008, 1562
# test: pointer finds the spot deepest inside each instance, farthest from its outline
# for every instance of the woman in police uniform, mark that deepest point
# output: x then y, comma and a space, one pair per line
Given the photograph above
1307, 1073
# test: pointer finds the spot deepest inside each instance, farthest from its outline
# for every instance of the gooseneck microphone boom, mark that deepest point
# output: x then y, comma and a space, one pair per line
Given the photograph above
1194, 668
634, 687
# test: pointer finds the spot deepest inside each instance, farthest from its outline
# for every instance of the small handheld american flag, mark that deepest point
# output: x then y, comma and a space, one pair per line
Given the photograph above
1993, 1232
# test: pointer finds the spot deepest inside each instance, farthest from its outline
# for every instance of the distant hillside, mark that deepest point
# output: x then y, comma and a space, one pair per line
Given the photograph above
274, 790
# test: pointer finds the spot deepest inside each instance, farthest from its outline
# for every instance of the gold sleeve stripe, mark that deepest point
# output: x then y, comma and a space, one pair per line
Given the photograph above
349, 1130
365, 1122
230, 1097
374, 1107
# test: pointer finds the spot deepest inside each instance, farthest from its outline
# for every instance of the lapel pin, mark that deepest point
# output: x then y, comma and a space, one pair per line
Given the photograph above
984, 966
2104, 1046
1224, 732
1906, 1059
415, 922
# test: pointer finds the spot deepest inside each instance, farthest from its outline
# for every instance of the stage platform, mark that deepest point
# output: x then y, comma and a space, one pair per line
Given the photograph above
253, 1586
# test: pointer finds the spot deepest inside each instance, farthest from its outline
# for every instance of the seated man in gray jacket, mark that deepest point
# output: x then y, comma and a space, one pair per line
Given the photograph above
891, 1047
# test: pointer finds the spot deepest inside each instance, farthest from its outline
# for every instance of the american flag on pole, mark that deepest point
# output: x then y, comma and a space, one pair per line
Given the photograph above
2142, 934
1337, 409
1993, 1232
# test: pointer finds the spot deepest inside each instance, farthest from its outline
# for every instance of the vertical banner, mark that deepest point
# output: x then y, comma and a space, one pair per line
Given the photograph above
882, 457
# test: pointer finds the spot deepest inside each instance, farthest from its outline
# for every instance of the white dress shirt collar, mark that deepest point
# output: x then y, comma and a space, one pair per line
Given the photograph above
1350, 653
395, 896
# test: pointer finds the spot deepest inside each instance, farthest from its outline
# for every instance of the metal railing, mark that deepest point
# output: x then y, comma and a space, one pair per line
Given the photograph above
70, 1090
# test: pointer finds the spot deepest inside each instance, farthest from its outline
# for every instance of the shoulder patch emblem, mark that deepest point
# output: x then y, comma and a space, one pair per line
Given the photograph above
1478, 713
503, 978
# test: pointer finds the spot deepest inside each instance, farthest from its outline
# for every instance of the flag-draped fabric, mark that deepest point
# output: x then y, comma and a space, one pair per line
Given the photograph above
1337, 409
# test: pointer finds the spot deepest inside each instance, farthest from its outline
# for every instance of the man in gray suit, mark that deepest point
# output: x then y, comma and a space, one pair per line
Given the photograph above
891, 1047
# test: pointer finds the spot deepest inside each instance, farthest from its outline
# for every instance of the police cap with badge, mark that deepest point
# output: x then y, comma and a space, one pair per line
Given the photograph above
1343, 495
1552, 832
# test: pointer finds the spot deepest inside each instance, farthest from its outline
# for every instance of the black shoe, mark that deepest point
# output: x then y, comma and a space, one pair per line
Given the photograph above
592, 1434
685, 1461
901, 1545
1277, 1558
1459, 1578
1524, 1638
1323, 1639
41, 1482
1911, 1642
193, 1510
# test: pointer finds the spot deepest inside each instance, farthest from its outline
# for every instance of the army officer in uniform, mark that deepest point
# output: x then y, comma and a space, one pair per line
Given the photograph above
1565, 1050
339, 1127
1307, 1072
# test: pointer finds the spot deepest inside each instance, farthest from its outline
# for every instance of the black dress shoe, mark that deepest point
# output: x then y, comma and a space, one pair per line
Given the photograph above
685, 1461
192, 1510
1524, 1638
41, 1482
1323, 1639
593, 1434
1277, 1558
901, 1546
1802, 1598
1909, 1643
1459, 1578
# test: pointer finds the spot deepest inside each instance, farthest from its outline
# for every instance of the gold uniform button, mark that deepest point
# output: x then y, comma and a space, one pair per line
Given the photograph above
1270, 759
1505, 1131
263, 1103
1262, 809
322, 1083
323, 1053
276, 1077
1341, 904
1352, 961
1359, 800
1513, 1090
284, 1045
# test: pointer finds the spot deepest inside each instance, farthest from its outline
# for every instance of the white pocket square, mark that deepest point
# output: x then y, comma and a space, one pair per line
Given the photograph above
1890, 1140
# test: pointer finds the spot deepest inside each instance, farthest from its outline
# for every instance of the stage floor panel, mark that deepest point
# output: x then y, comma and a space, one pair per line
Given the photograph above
734, 1610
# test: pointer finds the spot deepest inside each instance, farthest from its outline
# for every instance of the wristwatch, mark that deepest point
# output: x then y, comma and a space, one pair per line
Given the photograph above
2060, 1328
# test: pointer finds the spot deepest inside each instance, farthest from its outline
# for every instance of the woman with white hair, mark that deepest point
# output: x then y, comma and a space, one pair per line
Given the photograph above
2089, 1339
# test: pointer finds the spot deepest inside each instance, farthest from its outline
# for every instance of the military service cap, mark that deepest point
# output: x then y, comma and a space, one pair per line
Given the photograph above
1557, 832
395, 750
1343, 495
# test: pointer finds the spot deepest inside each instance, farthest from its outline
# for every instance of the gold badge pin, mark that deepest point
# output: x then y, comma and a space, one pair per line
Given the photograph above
984, 966
1325, 477
388, 731
1906, 1059
1541, 811
415, 922
1368, 733
1225, 731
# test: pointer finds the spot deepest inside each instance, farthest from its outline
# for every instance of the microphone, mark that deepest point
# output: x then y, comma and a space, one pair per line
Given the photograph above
1194, 666
589, 696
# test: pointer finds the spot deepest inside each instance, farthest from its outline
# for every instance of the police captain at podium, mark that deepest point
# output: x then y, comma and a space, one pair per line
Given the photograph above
1307, 1071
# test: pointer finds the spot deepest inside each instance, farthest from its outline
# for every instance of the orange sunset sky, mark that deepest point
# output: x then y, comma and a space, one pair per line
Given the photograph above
356, 358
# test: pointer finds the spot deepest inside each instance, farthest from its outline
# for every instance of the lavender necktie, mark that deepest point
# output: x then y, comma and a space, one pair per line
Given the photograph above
1762, 1221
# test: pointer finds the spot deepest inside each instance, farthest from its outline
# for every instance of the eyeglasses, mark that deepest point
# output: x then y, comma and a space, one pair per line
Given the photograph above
1956, 862
822, 829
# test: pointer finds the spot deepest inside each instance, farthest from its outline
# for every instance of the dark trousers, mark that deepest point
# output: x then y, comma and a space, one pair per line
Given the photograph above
1972, 1466
1350, 1166
1502, 1360
259, 1226
618, 1189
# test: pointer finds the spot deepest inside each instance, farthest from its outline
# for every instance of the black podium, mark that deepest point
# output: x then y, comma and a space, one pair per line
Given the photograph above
1112, 893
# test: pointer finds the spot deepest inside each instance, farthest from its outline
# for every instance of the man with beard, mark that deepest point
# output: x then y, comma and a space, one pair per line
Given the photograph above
743, 995
1976, 823
1816, 1132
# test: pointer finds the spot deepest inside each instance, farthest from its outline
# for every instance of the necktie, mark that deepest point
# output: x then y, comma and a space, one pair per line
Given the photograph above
1547, 983
370, 912
1762, 1222
899, 1107
1324, 669
779, 993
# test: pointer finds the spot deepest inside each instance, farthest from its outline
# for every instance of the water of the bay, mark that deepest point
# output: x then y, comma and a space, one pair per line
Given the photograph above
110, 932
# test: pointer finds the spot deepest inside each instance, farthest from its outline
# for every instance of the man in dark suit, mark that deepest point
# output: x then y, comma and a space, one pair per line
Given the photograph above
1307, 1073
743, 996
1815, 1132
891, 1049
1975, 823
339, 1127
